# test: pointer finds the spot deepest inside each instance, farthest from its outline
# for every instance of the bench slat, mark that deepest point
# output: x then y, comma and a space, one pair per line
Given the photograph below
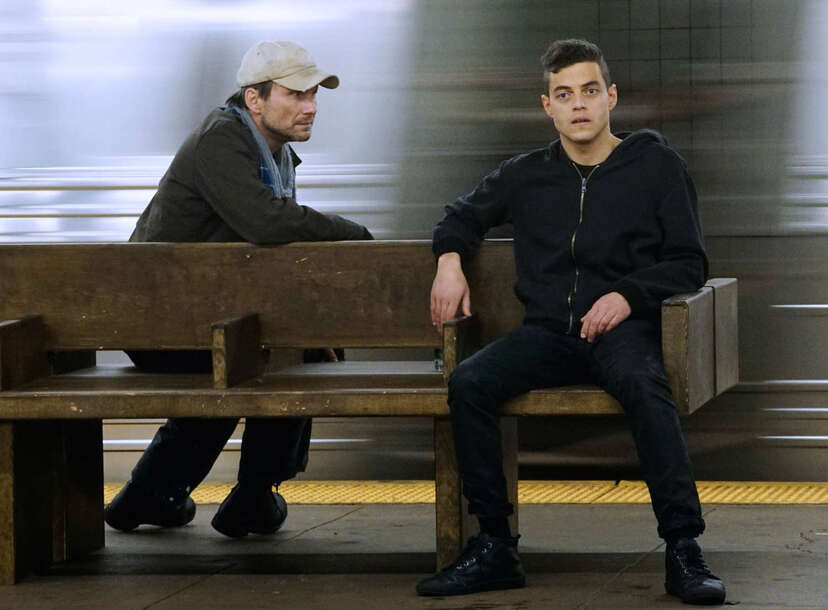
318, 390
167, 296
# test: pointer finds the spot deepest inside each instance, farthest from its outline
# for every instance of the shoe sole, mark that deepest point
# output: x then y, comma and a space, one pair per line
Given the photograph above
128, 526
713, 599
230, 533
497, 585
121, 526
132, 525
241, 532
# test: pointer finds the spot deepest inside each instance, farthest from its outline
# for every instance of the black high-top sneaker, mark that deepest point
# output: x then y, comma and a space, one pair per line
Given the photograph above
485, 564
250, 510
688, 577
134, 506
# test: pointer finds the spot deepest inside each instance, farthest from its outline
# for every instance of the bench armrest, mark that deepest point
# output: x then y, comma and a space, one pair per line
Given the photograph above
700, 343
237, 353
461, 338
22, 357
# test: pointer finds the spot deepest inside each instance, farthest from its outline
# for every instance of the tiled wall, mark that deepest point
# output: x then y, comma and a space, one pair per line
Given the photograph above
716, 76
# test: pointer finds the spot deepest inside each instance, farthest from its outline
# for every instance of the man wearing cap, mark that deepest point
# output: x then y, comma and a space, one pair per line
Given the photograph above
232, 180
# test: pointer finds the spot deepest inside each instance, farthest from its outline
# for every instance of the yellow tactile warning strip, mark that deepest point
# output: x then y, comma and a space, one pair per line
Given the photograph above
529, 492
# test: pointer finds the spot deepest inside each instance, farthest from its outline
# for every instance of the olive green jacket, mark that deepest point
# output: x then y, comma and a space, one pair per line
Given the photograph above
212, 192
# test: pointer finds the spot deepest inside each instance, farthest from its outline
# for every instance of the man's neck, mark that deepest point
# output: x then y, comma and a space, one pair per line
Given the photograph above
274, 143
591, 153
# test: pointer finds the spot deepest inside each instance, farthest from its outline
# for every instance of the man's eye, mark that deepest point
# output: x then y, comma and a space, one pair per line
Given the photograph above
562, 96
592, 91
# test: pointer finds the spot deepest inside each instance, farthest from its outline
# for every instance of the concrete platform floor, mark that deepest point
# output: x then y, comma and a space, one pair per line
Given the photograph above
576, 556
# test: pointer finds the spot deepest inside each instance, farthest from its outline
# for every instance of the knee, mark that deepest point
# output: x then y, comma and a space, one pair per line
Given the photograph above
462, 379
467, 383
643, 388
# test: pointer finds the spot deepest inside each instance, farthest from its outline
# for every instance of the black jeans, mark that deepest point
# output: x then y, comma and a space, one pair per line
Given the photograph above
184, 449
626, 362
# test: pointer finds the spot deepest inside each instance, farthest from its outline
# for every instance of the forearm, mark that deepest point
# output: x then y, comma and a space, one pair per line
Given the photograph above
228, 179
469, 217
646, 288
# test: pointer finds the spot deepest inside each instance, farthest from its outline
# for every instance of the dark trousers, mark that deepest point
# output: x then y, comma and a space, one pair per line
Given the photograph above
184, 449
626, 362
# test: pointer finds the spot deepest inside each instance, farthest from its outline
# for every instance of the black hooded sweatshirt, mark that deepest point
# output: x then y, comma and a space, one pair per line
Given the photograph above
630, 226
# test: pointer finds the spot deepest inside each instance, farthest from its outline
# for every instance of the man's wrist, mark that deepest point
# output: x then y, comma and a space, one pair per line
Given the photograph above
449, 259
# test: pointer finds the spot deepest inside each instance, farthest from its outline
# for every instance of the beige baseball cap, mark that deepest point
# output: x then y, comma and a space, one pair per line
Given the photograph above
285, 63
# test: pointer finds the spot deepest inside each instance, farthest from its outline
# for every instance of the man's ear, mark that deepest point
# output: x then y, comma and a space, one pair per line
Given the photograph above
547, 106
253, 100
613, 96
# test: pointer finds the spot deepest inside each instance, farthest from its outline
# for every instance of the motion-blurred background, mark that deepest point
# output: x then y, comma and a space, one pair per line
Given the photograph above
96, 96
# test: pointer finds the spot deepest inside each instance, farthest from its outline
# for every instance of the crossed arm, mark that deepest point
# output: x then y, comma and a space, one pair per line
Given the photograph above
450, 292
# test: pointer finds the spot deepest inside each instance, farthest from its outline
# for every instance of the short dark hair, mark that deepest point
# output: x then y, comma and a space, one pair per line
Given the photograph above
564, 53
237, 99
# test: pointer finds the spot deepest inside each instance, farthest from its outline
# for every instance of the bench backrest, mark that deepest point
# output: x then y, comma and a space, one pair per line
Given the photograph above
167, 296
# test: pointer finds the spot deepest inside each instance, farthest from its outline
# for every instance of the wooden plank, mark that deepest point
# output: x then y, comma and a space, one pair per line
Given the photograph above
726, 331
234, 402
237, 352
461, 338
21, 351
92, 398
7, 500
27, 450
166, 296
448, 505
688, 349
567, 400
452, 516
27, 498
82, 487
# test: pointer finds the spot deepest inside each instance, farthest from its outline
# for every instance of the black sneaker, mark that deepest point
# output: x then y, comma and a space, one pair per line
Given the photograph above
246, 510
134, 506
688, 577
485, 564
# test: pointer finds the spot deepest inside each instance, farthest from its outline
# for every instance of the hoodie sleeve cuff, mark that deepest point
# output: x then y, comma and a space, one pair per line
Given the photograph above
635, 298
449, 244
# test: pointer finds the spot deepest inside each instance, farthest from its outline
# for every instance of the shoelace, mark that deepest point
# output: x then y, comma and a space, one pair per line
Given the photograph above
692, 561
469, 556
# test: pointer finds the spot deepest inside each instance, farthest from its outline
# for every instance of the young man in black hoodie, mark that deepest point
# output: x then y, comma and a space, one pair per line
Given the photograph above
605, 228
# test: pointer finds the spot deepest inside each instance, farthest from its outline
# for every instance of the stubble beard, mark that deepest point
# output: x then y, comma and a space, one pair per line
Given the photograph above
288, 135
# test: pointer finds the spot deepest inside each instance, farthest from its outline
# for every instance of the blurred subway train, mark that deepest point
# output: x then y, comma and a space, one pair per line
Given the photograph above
97, 96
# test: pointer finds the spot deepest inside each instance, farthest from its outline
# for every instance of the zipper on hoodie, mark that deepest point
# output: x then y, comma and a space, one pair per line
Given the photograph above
574, 290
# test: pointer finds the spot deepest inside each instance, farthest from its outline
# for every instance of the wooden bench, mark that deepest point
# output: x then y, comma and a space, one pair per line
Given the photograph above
59, 303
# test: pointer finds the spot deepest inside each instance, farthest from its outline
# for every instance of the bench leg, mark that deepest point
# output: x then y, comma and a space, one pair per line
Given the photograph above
78, 520
51, 494
454, 523
448, 502
79, 528
27, 498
